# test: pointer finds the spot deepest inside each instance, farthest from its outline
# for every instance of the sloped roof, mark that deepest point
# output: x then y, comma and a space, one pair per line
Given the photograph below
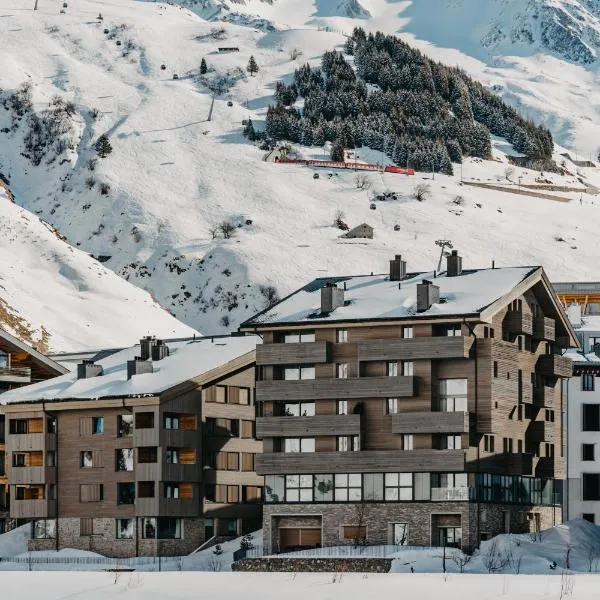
188, 360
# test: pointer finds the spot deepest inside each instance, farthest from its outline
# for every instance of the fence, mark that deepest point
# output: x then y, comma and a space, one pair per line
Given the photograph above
41, 563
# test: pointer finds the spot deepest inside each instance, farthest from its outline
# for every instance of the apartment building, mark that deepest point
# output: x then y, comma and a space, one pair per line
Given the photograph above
145, 451
20, 364
582, 426
412, 408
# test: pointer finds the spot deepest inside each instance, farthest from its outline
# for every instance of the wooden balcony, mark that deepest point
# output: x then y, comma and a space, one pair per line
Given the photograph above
541, 431
319, 425
292, 354
340, 389
28, 442
31, 475
361, 462
554, 365
147, 436
544, 396
430, 422
178, 438
167, 507
33, 509
502, 463
441, 347
544, 328
15, 374
517, 322
181, 472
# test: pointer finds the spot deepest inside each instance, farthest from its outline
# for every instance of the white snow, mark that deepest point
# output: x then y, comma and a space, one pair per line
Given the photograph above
376, 297
188, 359
14, 542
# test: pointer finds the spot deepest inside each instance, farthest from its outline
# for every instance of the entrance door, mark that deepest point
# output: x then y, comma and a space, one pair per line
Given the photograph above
450, 536
400, 534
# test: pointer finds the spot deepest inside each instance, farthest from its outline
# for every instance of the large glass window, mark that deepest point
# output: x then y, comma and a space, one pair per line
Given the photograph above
299, 409
373, 487
587, 382
124, 459
298, 488
126, 493
44, 529
124, 425
323, 491
124, 529
590, 417
149, 528
274, 488
348, 487
392, 369
296, 337
297, 373
291, 445
398, 486
591, 486
168, 528
453, 395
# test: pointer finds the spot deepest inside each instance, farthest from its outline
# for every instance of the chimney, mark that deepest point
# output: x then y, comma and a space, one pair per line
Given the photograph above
332, 297
427, 294
160, 350
146, 345
87, 369
138, 366
397, 268
574, 314
453, 264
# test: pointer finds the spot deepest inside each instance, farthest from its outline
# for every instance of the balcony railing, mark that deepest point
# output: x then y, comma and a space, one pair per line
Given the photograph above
442, 347
33, 509
318, 425
430, 422
455, 494
555, 365
544, 328
340, 389
15, 374
517, 322
292, 354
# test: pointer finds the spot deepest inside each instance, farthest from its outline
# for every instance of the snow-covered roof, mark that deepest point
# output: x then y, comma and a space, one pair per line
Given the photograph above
581, 358
375, 297
589, 323
187, 360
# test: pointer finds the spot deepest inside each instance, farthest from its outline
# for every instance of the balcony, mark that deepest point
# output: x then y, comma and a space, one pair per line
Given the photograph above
540, 431
457, 494
430, 422
340, 389
269, 427
30, 442
546, 467
182, 438
504, 463
181, 472
554, 365
167, 507
432, 348
33, 509
544, 329
31, 475
146, 436
544, 396
517, 322
361, 462
15, 375
292, 354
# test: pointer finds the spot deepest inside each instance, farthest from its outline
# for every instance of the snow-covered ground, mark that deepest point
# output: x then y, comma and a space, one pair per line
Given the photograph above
174, 176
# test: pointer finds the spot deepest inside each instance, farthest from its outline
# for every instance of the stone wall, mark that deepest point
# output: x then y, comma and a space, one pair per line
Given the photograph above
315, 565
104, 541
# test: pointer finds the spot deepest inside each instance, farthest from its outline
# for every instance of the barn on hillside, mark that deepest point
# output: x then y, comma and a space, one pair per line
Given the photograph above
360, 231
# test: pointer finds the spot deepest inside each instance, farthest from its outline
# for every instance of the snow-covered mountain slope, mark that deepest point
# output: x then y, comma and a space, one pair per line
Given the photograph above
151, 208
57, 297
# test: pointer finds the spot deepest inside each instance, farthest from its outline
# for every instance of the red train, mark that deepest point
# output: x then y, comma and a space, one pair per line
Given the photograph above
353, 166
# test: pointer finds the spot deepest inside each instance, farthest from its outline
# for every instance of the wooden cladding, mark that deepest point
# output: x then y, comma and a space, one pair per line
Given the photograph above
361, 462
320, 425
187, 456
442, 347
518, 322
292, 354
187, 422
340, 389
248, 461
186, 491
544, 396
554, 365
226, 494
544, 328
91, 492
430, 422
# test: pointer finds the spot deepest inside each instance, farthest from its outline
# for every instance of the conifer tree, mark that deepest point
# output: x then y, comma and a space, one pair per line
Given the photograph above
203, 67
252, 66
249, 131
103, 147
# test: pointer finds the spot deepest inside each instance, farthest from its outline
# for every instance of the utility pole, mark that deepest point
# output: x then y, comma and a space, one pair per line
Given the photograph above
35, 5
212, 103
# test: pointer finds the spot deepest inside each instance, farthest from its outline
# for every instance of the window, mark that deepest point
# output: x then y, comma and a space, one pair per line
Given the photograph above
124, 529
291, 445
248, 461
146, 489
591, 517
354, 532
144, 420
347, 442
226, 461
408, 368
44, 529
450, 537
408, 441
19, 459
587, 382
342, 407
495, 368
171, 490
50, 458
520, 446
244, 396
591, 486
251, 493
148, 526
296, 373
398, 486
507, 445
298, 488
587, 452
453, 395
407, 333
97, 425
124, 425
18, 426
247, 430
299, 409
124, 459
348, 487
341, 370
221, 394
86, 460
341, 336
300, 337
592, 341
453, 331
391, 406
171, 421
392, 369
91, 492
591, 417
323, 488
126, 493
86, 526
168, 528
147, 454
172, 456
3, 359
453, 442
